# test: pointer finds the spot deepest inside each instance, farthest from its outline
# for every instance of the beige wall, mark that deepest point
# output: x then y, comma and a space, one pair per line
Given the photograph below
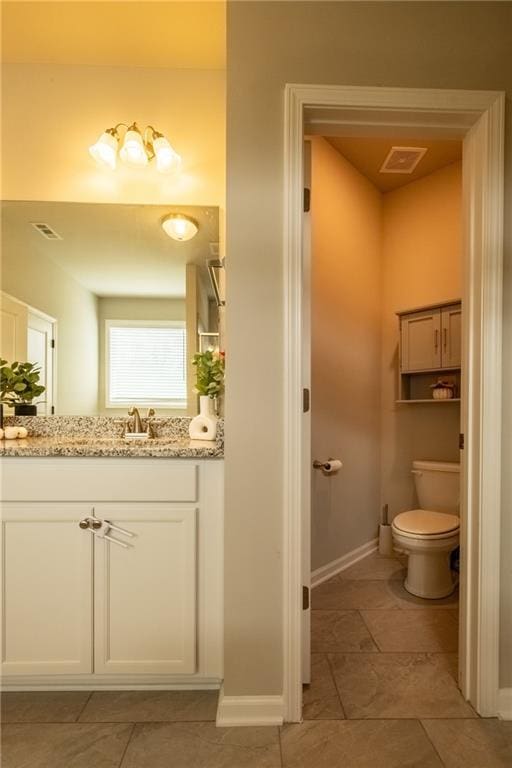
115, 308
39, 282
373, 254
52, 114
427, 45
346, 221
422, 261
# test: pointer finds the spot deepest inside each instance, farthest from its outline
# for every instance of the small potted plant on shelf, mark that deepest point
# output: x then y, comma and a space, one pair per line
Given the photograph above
209, 367
443, 390
19, 387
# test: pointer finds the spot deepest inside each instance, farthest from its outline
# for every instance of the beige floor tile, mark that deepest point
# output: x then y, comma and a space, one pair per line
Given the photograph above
340, 631
342, 594
396, 685
427, 630
64, 746
404, 599
320, 700
472, 743
43, 706
202, 745
357, 744
150, 706
375, 567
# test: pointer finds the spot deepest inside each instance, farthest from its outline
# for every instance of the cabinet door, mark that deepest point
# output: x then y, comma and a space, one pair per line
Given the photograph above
145, 596
47, 590
451, 323
420, 341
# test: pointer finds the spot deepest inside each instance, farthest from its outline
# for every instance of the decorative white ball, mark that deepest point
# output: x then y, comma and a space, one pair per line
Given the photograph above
22, 432
11, 433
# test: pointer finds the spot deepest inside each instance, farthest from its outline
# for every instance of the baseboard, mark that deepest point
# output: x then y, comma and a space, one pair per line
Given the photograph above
109, 683
505, 703
326, 572
249, 710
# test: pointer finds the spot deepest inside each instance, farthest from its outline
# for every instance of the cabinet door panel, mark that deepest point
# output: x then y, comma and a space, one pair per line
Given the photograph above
451, 322
420, 343
145, 597
47, 591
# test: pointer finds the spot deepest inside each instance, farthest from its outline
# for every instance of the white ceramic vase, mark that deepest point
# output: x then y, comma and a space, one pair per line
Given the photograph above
204, 426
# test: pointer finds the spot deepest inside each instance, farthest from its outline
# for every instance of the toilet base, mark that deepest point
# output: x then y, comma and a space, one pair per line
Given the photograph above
429, 575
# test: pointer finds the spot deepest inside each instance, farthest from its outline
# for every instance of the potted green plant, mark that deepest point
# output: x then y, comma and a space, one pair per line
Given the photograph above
19, 386
209, 367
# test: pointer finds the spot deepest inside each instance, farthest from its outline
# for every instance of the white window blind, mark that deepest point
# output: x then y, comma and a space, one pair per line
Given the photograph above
146, 363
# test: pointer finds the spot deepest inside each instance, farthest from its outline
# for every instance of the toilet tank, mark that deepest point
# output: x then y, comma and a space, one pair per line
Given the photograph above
437, 485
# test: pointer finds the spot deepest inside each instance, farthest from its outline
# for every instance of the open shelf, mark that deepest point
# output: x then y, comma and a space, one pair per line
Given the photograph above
431, 400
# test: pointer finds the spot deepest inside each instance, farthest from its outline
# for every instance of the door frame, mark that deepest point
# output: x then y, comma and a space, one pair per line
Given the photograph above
476, 117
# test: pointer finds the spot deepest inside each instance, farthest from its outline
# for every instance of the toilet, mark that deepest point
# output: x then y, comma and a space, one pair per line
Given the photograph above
430, 534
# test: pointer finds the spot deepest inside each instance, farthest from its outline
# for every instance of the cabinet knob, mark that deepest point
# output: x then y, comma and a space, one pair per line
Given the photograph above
95, 524
84, 524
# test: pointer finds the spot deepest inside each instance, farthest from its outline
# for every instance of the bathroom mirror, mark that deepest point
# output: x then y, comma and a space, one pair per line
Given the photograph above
108, 305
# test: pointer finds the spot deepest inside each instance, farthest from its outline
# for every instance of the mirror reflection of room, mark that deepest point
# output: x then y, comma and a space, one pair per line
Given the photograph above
107, 304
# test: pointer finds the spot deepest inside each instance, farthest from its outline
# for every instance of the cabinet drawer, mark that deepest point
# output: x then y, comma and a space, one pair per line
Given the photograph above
70, 479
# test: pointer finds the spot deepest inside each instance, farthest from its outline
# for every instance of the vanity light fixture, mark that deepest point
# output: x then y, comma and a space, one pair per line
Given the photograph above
137, 148
180, 227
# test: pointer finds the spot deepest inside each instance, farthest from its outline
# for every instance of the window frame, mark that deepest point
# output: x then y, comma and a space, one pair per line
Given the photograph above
175, 404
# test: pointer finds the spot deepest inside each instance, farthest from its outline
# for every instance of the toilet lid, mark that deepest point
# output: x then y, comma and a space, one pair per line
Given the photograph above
424, 522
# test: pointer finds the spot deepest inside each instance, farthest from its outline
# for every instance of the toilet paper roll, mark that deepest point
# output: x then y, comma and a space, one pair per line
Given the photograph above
333, 465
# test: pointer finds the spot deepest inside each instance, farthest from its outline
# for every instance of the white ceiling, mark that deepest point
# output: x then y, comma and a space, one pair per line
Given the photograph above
113, 250
368, 153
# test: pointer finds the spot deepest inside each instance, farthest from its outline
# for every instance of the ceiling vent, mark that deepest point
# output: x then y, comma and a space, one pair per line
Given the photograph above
402, 159
46, 231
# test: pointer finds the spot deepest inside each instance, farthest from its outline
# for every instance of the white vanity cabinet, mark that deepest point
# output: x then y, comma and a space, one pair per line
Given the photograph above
80, 611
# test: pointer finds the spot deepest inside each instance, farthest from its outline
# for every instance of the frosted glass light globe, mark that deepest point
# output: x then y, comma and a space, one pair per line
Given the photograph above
167, 159
133, 152
180, 227
105, 150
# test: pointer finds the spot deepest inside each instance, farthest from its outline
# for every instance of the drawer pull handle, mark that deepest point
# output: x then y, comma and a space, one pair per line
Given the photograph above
102, 528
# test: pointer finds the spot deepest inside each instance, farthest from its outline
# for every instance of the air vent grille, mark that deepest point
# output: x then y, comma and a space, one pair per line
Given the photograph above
402, 159
46, 231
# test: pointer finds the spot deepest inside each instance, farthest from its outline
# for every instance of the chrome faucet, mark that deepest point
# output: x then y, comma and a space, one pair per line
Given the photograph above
135, 427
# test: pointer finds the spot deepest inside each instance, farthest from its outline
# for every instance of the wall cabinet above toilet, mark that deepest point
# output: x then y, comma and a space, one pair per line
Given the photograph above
430, 349
430, 338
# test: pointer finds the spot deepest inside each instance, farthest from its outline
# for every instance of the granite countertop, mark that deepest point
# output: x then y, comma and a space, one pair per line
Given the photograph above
73, 445
102, 436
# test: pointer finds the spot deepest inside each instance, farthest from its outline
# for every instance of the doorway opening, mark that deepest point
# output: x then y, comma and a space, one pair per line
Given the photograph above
475, 119
28, 334
386, 306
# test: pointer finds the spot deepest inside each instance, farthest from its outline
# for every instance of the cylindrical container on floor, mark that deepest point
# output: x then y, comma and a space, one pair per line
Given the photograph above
385, 540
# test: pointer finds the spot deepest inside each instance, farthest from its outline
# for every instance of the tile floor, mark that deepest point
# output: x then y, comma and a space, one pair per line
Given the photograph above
383, 695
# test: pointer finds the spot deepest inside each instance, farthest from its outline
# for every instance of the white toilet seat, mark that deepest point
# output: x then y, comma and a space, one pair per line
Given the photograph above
425, 524
427, 538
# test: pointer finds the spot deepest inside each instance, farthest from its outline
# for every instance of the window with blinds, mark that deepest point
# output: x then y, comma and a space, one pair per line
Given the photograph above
146, 363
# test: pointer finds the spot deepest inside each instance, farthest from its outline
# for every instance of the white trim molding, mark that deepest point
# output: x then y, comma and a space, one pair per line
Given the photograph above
477, 117
110, 683
326, 572
249, 710
505, 704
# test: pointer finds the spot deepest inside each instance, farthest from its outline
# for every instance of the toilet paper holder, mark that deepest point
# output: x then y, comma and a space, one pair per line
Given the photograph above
327, 466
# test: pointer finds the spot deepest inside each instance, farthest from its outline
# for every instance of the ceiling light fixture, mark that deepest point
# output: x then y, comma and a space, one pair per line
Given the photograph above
138, 148
180, 227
